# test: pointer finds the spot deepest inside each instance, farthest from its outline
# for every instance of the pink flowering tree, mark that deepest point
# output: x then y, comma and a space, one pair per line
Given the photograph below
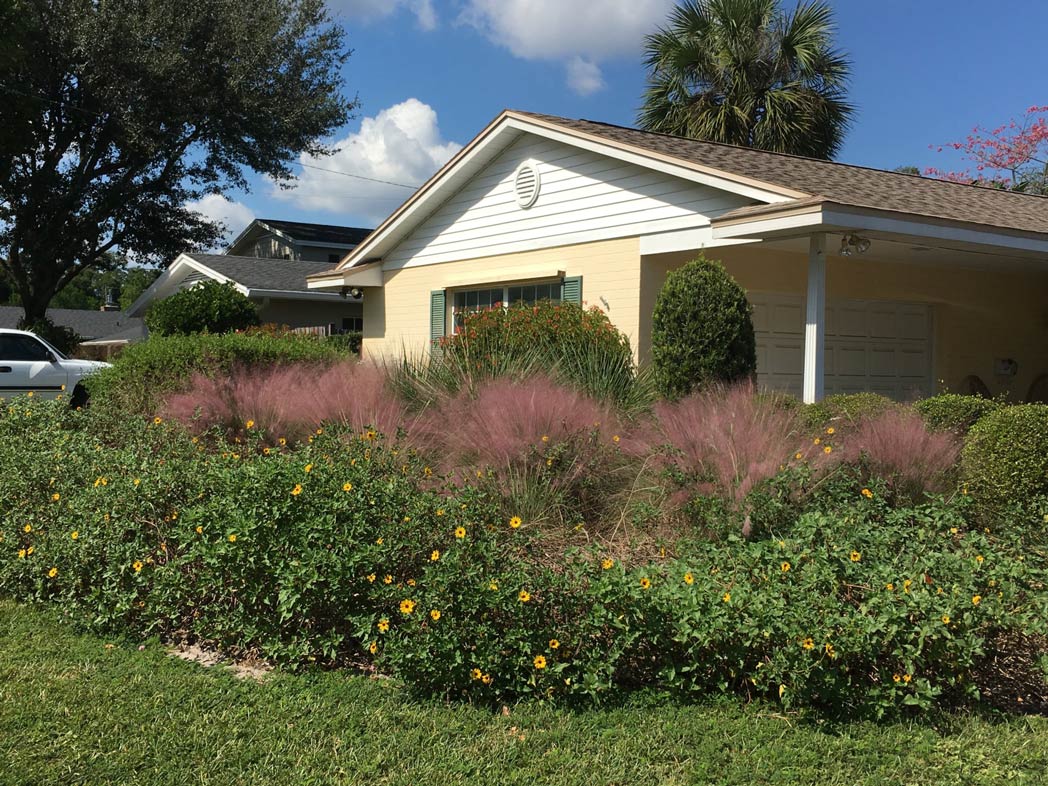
1013, 156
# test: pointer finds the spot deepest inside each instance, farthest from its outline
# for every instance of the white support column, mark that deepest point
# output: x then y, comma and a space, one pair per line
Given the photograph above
815, 321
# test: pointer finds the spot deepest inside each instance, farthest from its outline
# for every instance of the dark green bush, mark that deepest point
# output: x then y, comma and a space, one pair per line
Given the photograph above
210, 307
1005, 457
144, 374
846, 409
62, 338
702, 330
954, 412
348, 343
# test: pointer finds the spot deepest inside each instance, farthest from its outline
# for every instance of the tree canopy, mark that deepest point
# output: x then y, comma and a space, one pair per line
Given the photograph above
117, 113
744, 72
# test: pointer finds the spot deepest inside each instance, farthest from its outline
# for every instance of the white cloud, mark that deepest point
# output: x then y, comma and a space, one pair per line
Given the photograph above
373, 10
402, 144
584, 77
581, 32
235, 215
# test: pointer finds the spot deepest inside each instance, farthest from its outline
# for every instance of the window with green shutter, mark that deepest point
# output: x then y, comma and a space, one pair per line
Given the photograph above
571, 290
437, 317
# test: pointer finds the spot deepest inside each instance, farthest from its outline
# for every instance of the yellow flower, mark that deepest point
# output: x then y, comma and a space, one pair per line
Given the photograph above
55, 497
370, 435
890, 587
953, 530
296, 490
645, 583
831, 430
308, 468
460, 532
21, 554
906, 678
411, 582
282, 442
486, 679
434, 614
689, 579
52, 573
785, 567
379, 541
855, 556
27, 528
896, 678
554, 644
867, 493
515, 522
493, 586
945, 619
524, 596
427, 471
435, 555
373, 648
540, 662
29, 394
232, 538
387, 579
383, 625
979, 559
157, 421
74, 534
798, 455
475, 674
199, 530
371, 578
137, 565
615, 439
906, 585
817, 441
320, 431
808, 643
976, 600
726, 597
607, 564
249, 424
347, 486
407, 606
136, 481
827, 449
545, 438
830, 650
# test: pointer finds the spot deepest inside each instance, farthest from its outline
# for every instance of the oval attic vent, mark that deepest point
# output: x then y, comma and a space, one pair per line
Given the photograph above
526, 184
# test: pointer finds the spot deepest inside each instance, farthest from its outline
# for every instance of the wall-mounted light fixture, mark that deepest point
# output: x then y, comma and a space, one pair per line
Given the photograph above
853, 244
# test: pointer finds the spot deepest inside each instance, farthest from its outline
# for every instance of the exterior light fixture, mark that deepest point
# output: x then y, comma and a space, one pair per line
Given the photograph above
853, 244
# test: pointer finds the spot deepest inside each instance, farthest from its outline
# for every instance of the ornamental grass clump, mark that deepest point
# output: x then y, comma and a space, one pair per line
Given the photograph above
291, 402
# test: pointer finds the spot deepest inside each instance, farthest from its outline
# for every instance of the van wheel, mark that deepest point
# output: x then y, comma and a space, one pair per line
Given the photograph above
79, 397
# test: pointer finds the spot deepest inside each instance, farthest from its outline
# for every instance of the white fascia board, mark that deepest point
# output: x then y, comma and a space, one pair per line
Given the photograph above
370, 276
830, 218
685, 240
318, 244
288, 294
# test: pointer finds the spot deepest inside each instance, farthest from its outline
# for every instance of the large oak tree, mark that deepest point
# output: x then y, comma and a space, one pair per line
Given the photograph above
116, 113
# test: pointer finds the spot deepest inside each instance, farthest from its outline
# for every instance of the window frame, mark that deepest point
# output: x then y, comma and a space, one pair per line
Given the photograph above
451, 309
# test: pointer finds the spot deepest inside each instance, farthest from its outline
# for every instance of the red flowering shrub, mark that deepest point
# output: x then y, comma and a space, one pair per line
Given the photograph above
291, 401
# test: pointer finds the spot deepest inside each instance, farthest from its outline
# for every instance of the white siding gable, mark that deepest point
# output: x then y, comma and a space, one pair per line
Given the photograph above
583, 197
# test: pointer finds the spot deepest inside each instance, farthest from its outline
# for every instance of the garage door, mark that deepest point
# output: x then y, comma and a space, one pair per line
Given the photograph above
871, 345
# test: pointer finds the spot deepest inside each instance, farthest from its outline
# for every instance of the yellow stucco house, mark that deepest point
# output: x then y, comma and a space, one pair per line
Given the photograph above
860, 279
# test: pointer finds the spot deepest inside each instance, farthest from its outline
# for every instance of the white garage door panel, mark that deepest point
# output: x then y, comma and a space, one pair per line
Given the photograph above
878, 346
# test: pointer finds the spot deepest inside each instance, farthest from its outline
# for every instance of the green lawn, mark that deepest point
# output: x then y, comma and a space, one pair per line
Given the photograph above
74, 712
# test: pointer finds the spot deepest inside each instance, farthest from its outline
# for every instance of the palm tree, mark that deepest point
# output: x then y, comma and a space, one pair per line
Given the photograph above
744, 72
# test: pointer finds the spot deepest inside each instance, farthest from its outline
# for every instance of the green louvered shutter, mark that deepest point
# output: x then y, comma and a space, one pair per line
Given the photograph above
571, 290
437, 318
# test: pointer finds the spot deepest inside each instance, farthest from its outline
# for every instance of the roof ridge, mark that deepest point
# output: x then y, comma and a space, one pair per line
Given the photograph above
788, 155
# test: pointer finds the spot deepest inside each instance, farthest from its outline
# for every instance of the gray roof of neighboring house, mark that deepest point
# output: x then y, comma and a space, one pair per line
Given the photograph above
317, 233
285, 275
844, 183
89, 324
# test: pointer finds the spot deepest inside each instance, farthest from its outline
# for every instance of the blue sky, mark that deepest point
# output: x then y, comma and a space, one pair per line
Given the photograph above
430, 74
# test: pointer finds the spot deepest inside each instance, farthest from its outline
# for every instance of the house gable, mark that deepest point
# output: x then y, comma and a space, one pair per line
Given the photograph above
583, 196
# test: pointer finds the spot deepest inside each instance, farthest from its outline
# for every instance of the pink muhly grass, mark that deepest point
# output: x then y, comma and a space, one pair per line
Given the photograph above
291, 401
732, 440
503, 424
898, 447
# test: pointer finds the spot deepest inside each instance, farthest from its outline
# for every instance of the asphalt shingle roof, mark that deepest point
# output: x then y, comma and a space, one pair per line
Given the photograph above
286, 275
89, 324
318, 233
844, 183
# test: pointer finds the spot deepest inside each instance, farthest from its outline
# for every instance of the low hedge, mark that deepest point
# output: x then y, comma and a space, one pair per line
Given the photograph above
1005, 457
347, 549
846, 409
954, 412
144, 374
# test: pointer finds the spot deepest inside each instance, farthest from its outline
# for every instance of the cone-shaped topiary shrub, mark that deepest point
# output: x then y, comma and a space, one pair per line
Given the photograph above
702, 330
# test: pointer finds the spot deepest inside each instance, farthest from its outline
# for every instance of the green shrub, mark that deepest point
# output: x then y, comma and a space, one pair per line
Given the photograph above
846, 409
206, 308
1005, 457
348, 343
702, 330
954, 412
145, 373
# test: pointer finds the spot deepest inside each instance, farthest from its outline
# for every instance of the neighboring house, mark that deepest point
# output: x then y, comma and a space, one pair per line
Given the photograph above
105, 330
269, 263
860, 279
